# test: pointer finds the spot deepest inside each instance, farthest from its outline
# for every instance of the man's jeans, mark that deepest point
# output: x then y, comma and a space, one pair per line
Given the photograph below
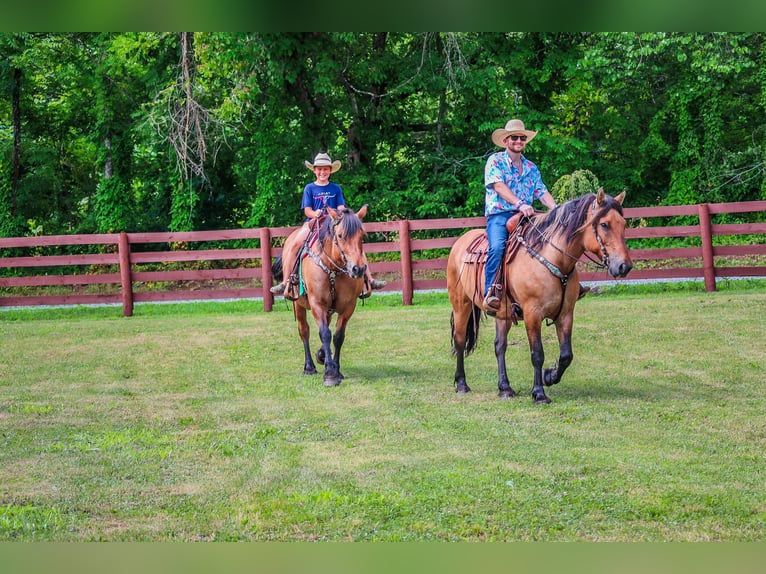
497, 235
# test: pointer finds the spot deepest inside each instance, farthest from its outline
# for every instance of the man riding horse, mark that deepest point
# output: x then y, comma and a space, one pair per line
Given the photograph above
512, 182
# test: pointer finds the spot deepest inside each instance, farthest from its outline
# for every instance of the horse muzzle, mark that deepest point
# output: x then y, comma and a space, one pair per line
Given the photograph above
356, 271
619, 268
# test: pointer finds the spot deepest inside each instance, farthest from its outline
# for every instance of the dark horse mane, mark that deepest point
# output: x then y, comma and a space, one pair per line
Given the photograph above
567, 220
349, 223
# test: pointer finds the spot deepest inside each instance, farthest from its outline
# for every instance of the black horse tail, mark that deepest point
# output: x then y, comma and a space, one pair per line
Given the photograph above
471, 331
276, 269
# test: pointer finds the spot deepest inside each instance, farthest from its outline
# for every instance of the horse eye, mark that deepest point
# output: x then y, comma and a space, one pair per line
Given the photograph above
604, 226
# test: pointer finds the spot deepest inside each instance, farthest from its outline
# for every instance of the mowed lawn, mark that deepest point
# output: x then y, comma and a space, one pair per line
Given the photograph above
194, 422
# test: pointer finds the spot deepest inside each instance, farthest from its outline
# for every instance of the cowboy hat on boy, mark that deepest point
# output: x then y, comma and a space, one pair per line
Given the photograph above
322, 159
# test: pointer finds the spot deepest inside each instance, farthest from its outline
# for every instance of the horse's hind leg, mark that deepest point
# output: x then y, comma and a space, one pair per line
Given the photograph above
303, 330
461, 318
504, 389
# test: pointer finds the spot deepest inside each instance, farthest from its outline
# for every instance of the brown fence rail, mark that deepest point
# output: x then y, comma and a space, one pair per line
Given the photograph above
127, 267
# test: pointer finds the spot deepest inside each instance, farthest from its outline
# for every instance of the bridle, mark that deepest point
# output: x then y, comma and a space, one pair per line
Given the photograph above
333, 270
556, 271
604, 253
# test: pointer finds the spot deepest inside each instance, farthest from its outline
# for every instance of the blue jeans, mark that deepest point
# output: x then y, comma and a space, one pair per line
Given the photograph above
497, 235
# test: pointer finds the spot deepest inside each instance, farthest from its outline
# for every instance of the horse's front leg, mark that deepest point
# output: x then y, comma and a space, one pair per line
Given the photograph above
303, 330
553, 375
537, 353
331, 374
337, 341
502, 327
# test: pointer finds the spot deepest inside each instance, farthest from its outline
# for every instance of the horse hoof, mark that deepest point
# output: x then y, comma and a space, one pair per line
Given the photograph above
332, 382
542, 401
549, 377
506, 393
309, 371
462, 388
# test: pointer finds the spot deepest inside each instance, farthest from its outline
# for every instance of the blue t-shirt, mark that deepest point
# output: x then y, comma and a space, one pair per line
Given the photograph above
527, 186
320, 196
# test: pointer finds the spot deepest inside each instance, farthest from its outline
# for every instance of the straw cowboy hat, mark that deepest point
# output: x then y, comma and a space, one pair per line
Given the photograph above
323, 159
513, 127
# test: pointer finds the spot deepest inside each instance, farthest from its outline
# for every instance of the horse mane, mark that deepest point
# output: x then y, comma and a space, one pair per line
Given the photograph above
349, 223
568, 219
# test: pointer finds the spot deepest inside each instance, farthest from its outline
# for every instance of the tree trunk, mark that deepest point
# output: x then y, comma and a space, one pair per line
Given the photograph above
16, 161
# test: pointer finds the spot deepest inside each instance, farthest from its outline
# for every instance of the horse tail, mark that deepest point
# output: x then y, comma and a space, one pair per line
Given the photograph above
276, 269
471, 331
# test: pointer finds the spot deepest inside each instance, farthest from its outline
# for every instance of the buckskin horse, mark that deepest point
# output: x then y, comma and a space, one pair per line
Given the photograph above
332, 272
540, 282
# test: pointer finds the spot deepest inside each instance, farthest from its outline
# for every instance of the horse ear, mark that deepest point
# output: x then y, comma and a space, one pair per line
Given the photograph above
600, 196
362, 212
620, 198
332, 212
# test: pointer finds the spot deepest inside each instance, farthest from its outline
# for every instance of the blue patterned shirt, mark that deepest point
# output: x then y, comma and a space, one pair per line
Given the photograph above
527, 186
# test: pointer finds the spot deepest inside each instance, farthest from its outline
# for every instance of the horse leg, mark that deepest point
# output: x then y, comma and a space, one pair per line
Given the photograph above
303, 330
552, 376
504, 389
320, 350
461, 320
331, 374
538, 358
337, 341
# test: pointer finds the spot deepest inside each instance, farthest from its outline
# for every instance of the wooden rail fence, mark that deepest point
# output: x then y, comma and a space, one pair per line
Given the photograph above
123, 267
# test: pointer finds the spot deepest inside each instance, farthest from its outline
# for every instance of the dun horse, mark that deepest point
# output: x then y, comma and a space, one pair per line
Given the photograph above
541, 282
332, 277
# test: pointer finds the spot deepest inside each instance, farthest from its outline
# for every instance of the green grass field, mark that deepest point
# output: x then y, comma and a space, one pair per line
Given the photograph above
194, 422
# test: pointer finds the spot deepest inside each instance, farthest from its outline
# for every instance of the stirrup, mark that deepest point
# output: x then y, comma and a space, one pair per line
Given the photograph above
491, 302
290, 293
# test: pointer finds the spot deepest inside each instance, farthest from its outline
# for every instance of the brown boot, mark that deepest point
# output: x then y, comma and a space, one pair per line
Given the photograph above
491, 303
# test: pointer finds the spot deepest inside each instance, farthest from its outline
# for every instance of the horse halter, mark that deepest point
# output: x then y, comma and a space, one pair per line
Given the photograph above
344, 260
604, 252
317, 258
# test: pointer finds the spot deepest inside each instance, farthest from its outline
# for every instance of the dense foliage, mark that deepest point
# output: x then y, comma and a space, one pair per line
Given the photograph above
180, 131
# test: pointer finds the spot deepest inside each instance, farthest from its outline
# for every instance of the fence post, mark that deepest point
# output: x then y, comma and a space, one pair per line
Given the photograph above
268, 297
706, 234
126, 283
405, 250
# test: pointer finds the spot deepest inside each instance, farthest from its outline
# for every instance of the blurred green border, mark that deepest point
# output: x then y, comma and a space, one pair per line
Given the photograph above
383, 558
344, 15
367, 558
